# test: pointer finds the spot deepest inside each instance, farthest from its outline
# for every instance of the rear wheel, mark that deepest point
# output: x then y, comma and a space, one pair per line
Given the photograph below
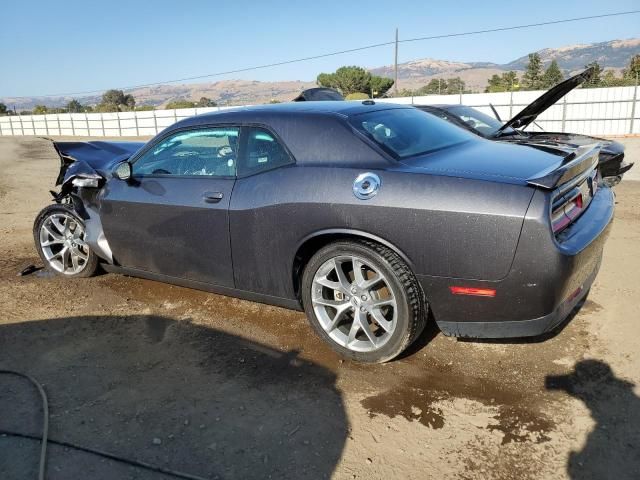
59, 235
363, 299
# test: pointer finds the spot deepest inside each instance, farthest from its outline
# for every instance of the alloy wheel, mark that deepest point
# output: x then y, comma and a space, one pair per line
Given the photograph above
354, 303
62, 240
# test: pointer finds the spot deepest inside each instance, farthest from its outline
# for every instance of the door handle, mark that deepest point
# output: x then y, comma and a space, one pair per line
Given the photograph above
212, 197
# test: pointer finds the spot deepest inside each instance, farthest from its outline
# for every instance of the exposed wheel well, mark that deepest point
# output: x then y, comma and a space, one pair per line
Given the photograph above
313, 244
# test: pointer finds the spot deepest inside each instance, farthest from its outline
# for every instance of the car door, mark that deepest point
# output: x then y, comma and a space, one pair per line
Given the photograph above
172, 216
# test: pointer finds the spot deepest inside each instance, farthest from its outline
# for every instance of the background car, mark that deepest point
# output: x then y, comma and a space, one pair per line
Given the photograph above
369, 216
612, 165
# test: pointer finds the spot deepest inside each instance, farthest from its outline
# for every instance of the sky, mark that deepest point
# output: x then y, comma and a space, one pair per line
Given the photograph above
49, 47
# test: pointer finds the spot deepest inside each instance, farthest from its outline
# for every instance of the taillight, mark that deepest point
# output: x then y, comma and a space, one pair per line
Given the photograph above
569, 206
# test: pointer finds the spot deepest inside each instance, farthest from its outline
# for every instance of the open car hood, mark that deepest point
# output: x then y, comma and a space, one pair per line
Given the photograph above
544, 101
97, 155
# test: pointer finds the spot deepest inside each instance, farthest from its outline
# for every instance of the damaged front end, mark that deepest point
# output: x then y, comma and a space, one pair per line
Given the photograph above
84, 169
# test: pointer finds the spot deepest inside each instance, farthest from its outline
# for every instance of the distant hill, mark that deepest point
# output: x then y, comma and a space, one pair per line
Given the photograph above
614, 54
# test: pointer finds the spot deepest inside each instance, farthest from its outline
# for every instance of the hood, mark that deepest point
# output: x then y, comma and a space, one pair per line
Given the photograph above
540, 104
487, 160
97, 155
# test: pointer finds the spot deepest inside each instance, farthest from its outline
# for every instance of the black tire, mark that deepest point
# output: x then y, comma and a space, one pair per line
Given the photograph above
411, 304
89, 268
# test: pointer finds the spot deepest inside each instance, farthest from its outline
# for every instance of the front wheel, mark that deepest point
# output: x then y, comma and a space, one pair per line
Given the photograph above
363, 299
59, 235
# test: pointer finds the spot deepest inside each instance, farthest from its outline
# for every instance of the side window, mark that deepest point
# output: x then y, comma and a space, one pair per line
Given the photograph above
206, 151
264, 152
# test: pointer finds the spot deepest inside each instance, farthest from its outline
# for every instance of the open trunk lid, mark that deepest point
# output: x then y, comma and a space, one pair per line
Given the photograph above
529, 114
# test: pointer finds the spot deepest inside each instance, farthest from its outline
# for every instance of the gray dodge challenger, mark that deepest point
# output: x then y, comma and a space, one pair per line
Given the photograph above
370, 217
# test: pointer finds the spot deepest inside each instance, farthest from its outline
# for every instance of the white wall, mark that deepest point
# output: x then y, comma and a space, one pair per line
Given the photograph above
593, 111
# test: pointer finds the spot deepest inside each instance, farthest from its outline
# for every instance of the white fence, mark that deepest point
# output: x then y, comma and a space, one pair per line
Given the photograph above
593, 111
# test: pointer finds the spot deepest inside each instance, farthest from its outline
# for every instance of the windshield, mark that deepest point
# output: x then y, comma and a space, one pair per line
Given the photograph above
484, 124
407, 132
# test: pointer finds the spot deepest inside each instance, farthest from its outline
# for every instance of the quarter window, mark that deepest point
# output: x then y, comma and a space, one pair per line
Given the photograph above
208, 151
264, 152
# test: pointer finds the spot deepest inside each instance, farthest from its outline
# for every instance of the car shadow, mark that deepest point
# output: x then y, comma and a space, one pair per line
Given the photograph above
169, 393
612, 449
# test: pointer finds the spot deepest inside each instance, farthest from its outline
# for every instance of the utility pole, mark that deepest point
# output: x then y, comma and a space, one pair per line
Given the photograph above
395, 83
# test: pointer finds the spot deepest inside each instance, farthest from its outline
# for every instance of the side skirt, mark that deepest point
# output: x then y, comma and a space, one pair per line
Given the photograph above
207, 287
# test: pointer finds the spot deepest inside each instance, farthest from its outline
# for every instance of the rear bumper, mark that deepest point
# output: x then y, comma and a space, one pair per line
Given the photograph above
521, 328
547, 279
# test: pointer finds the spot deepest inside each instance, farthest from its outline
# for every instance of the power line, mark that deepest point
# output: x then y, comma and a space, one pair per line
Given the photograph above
350, 50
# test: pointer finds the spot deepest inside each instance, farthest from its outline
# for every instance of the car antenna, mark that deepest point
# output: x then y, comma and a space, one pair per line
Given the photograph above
495, 112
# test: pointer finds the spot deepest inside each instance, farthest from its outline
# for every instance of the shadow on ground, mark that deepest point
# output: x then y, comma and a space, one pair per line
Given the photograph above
168, 393
612, 447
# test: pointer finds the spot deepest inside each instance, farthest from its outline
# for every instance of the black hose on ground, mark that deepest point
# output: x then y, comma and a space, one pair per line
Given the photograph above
44, 439
45, 417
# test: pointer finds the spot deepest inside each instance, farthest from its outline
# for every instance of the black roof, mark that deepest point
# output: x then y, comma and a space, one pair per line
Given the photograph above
279, 110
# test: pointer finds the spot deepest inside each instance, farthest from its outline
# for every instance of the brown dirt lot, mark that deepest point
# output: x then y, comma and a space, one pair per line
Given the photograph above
224, 388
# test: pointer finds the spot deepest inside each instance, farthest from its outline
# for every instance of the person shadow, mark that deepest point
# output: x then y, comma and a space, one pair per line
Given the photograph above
612, 449
167, 392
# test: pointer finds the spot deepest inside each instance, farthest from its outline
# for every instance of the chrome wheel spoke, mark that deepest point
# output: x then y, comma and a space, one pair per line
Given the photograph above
55, 241
366, 328
353, 331
383, 302
358, 314
55, 221
52, 234
342, 278
358, 276
331, 303
385, 324
325, 282
367, 284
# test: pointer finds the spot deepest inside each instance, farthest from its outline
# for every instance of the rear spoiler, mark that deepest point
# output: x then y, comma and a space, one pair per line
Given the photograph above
582, 159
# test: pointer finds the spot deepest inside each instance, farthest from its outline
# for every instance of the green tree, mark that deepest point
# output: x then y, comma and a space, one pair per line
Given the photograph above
116, 101
455, 85
510, 80
357, 96
552, 76
145, 108
350, 79
40, 110
180, 104
632, 73
495, 84
379, 85
74, 106
434, 87
442, 86
506, 82
206, 102
595, 80
532, 78
609, 79
3, 109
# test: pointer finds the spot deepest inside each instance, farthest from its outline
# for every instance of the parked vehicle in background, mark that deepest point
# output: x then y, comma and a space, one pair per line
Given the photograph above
611, 162
368, 216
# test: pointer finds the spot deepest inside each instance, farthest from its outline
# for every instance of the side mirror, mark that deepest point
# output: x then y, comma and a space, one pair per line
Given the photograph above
123, 171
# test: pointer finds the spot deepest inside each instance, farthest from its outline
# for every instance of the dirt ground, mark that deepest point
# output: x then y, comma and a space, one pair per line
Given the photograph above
224, 388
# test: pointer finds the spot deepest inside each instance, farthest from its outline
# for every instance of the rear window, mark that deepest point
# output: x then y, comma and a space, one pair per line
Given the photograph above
407, 132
